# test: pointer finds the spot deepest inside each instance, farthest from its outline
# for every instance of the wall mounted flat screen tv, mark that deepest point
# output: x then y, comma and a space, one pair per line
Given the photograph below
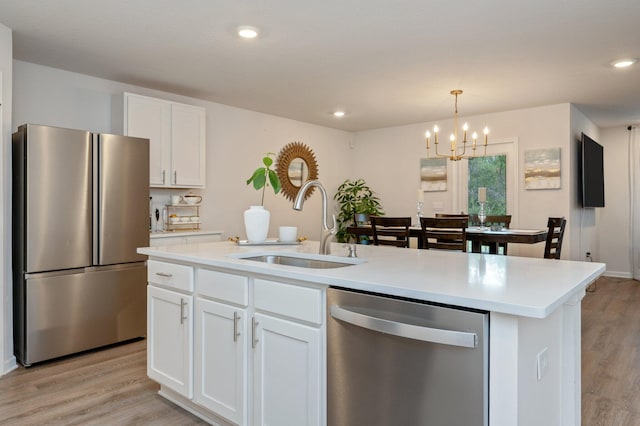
591, 173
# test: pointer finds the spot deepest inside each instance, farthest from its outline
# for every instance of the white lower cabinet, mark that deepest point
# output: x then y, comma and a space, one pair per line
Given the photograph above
257, 347
221, 359
170, 339
286, 373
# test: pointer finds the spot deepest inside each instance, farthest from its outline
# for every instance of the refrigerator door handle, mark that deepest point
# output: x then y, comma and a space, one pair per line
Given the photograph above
409, 331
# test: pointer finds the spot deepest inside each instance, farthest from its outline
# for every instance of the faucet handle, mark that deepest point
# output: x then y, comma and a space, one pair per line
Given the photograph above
352, 250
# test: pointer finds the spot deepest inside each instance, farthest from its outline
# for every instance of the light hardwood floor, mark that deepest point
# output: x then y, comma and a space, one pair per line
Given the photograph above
611, 353
110, 387
105, 387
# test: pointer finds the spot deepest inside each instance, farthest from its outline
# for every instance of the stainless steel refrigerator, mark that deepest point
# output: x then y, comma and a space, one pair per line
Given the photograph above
80, 210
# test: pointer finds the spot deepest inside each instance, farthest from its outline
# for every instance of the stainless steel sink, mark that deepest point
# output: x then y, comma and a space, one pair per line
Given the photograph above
301, 262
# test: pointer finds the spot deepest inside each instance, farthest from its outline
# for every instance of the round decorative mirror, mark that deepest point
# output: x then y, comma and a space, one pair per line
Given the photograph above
296, 163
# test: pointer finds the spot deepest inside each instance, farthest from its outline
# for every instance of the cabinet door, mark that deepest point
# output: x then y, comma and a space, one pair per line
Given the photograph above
221, 359
187, 145
150, 118
287, 373
170, 339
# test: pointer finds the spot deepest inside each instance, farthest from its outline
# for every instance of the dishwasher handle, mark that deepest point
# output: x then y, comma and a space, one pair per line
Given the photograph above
409, 331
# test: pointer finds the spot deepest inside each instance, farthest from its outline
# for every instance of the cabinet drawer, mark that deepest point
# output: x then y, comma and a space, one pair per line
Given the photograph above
227, 287
293, 301
171, 275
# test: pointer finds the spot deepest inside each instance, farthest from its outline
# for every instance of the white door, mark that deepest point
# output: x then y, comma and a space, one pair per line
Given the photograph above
287, 373
221, 359
187, 145
150, 118
170, 339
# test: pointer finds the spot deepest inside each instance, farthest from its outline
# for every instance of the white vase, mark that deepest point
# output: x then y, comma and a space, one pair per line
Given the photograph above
256, 223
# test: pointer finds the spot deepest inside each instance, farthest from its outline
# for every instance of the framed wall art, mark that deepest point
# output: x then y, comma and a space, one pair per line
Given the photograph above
542, 168
433, 174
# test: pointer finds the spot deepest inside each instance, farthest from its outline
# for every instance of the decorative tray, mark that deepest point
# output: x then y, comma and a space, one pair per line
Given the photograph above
267, 242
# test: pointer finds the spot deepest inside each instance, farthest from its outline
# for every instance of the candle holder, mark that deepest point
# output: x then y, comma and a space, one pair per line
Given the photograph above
419, 205
482, 216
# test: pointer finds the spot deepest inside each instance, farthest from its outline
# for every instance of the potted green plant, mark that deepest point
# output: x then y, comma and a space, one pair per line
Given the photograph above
256, 218
355, 198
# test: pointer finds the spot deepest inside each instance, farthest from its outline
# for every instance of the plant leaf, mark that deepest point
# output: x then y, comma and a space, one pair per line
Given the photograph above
267, 161
275, 181
259, 180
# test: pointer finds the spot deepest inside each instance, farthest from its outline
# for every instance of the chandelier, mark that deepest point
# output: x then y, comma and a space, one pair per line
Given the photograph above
455, 154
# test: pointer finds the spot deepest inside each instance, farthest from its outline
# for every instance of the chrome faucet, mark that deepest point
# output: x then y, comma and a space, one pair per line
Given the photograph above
327, 233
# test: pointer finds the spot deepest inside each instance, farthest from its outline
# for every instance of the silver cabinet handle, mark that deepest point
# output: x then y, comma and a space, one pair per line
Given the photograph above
236, 333
164, 274
163, 177
409, 331
254, 340
183, 303
175, 177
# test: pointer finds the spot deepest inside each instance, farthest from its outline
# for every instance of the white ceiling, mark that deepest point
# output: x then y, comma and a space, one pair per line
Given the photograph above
384, 62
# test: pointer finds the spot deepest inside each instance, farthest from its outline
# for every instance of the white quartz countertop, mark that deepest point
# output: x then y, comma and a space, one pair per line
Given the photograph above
520, 286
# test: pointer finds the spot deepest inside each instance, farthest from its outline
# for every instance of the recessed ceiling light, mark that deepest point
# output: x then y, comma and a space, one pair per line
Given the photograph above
623, 63
247, 32
339, 114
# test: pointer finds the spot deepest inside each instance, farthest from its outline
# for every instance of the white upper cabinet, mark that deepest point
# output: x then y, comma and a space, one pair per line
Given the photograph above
177, 135
187, 145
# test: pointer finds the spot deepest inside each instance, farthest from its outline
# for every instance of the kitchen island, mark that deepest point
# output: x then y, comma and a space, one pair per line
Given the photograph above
534, 307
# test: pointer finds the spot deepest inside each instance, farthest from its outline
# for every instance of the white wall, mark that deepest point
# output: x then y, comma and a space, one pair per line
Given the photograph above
6, 302
613, 234
236, 142
389, 160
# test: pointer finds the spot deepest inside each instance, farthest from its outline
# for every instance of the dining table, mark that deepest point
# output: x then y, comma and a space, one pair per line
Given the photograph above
477, 235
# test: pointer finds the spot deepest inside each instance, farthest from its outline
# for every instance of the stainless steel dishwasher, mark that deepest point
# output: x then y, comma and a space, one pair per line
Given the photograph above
403, 362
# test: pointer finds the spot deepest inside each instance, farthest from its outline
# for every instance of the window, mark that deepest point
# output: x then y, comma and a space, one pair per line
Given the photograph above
497, 172
489, 172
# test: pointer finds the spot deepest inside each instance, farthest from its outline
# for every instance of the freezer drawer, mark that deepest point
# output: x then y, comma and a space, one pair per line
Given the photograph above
400, 362
73, 312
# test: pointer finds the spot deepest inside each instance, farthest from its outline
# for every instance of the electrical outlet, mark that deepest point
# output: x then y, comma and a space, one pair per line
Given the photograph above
543, 363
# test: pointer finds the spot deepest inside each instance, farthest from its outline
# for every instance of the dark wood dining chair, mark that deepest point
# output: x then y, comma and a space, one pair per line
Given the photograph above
390, 231
555, 234
453, 215
444, 233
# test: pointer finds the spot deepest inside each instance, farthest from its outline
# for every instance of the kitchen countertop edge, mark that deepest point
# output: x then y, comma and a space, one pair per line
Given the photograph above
504, 284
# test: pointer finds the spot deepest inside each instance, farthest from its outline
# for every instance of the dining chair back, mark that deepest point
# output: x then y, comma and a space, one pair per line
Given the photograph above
390, 231
555, 234
453, 215
444, 233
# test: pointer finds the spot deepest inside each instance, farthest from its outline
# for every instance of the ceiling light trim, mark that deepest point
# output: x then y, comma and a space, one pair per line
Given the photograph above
248, 32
